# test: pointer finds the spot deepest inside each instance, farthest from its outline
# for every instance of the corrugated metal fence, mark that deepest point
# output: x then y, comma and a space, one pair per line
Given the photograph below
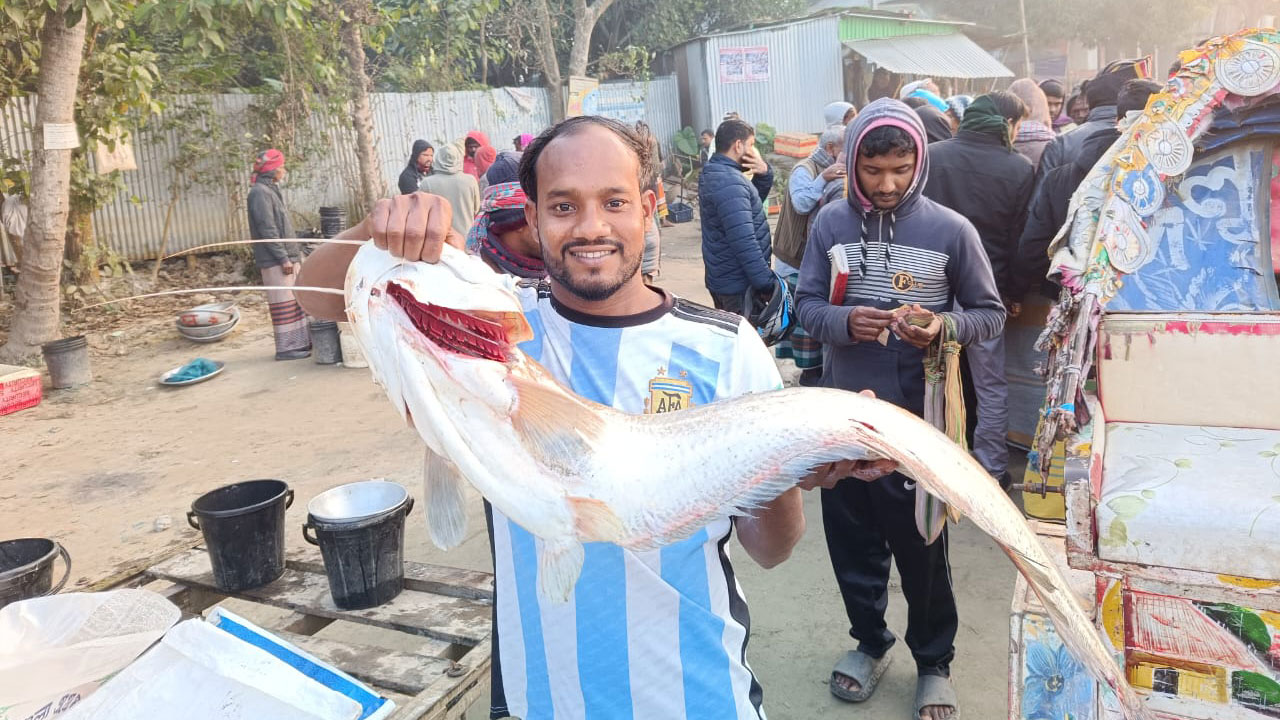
211, 208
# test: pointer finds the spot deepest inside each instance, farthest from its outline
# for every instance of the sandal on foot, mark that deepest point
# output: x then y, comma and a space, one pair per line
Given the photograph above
936, 690
862, 669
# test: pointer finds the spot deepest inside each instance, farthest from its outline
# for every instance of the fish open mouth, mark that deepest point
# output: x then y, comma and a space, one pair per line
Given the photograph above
481, 335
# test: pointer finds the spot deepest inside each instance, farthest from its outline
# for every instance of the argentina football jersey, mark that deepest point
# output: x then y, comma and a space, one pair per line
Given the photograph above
654, 634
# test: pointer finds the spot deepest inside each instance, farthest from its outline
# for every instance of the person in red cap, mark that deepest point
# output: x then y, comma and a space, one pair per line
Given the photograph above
278, 261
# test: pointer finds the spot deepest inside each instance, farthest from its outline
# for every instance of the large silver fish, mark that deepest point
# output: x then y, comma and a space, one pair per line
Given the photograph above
441, 339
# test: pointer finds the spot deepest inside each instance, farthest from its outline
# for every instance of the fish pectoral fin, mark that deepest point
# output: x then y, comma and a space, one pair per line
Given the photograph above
558, 569
446, 517
595, 520
552, 420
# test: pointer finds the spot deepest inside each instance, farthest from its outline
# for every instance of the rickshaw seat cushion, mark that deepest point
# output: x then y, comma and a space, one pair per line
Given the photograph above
1191, 497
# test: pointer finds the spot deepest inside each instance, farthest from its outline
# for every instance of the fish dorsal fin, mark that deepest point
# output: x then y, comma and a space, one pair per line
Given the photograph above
595, 520
554, 424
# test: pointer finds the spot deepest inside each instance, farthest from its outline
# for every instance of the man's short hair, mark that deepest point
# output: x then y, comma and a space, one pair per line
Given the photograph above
1053, 88
833, 135
730, 132
1010, 106
885, 140
709, 131
636, 142
1134, 94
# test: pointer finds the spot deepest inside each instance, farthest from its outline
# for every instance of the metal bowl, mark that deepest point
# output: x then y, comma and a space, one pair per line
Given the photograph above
204, 318
211, 333
357, 501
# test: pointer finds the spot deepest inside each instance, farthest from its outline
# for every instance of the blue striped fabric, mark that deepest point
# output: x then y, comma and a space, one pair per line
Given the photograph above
645, 634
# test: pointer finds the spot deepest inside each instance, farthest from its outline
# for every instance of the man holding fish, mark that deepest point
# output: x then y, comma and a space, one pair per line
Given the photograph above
655, 634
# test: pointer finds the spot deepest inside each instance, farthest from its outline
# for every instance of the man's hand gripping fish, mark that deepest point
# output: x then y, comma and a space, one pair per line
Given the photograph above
441, 339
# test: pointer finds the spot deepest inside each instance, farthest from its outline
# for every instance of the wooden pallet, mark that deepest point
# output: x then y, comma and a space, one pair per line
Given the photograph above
447, 610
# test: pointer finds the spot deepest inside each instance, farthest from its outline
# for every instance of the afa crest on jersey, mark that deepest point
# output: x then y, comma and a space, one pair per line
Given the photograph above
668, 394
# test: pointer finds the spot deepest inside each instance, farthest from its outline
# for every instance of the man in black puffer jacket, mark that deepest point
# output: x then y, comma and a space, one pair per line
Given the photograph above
1048, 211
735, 233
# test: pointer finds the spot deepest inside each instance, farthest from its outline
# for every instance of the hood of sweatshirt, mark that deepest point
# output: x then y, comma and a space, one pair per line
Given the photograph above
881, 113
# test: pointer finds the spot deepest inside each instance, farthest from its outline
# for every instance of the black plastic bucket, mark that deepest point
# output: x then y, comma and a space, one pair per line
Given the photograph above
26, 569
333, 220
326, 346
68, 362
364, 552
243, 527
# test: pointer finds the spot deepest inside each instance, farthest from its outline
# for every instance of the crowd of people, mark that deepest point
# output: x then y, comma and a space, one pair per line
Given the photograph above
914, 206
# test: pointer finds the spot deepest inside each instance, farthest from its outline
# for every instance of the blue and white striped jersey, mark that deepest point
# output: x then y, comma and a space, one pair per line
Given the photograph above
658, 634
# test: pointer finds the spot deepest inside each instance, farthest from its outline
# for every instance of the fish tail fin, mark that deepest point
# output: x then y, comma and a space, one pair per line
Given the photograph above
558, 568
446, 518
595, 520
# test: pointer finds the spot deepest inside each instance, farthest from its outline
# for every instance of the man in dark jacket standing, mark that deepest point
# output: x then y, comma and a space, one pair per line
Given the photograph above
980, 175
418, 167
735, 232
1100, 93
278, 261
900, 248
1048, 210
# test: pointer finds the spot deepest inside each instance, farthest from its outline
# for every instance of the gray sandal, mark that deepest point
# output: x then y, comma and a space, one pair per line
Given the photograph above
862, 669
935, 690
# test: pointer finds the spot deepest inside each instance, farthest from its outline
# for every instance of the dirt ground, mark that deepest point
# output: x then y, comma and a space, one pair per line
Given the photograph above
110, 469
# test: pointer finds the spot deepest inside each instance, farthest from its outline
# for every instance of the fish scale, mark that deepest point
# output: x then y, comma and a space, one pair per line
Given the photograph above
568, 470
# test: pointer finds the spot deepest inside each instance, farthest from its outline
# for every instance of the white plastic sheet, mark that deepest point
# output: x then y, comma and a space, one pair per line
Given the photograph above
198, 672
57, 650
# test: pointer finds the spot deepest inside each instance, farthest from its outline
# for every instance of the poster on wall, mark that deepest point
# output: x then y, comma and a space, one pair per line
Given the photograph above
744, 64
732, 65
756, 63
579, 90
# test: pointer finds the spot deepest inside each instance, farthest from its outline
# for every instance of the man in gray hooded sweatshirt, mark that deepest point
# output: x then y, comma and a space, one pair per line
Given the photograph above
901, 249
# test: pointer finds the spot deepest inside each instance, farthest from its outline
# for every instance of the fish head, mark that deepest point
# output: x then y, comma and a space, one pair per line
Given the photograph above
452, 326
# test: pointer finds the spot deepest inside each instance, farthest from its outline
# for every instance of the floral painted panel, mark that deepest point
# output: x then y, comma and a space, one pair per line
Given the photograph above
1207, 233
1198, 498
1055, 686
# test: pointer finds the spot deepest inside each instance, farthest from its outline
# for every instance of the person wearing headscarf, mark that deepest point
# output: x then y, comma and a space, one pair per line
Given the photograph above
474, 141
1036, 131
453, 184
925, 89
901, 248
484, 158
980, 175
838, 113
418, 167
522, 141
956, 105
277, 261
500, 235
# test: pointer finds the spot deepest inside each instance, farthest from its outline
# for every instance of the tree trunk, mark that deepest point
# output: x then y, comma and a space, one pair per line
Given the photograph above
544, 45
36, 300
371, 187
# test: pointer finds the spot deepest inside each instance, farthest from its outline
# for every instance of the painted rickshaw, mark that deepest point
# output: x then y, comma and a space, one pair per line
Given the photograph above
1162, 387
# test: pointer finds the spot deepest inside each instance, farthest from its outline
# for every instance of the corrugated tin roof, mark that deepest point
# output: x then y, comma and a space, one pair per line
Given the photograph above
948, 56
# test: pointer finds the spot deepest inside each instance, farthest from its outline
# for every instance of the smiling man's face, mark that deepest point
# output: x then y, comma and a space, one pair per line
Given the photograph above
590, 214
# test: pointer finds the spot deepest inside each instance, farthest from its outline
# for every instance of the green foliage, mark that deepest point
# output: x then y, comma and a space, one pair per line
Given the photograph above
686, 142
1241, 622
432, 45
657, 26
1254, 690
1138, 23
765, 133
